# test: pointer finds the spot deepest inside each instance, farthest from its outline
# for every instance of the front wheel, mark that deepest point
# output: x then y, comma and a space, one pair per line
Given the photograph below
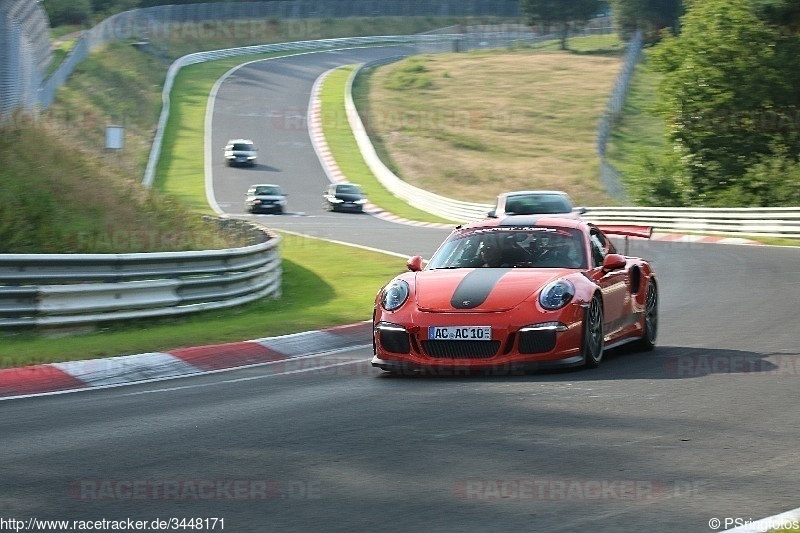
592, 344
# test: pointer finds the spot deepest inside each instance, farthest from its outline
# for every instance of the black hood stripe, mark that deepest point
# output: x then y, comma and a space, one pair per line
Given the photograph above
476, 287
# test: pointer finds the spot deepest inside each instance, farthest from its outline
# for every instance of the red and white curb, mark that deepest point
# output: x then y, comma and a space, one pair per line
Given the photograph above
129, 369
702, 239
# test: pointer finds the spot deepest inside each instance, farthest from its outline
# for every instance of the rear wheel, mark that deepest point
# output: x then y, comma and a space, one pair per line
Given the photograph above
648, 340
592, 345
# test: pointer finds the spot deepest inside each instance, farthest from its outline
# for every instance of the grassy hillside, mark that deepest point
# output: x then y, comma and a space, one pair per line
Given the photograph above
57, 198
475, 124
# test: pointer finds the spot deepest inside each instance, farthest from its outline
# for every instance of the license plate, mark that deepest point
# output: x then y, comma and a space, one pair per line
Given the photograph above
460, 333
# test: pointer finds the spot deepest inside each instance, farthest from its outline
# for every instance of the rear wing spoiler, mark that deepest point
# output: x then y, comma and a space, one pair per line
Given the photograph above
642, 232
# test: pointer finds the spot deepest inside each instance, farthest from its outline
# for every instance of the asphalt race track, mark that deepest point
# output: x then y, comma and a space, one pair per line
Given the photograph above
703, 427
268, 102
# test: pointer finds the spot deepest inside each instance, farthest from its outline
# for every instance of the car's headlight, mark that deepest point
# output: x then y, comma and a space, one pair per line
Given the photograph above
557, 294
394, 295
361, 201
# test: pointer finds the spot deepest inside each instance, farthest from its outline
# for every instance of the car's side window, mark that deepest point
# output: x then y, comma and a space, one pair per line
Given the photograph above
599, 250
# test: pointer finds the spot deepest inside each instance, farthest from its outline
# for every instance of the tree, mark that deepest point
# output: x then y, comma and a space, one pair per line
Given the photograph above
561, 14
649, 16
68, 11
729, 98
782, 13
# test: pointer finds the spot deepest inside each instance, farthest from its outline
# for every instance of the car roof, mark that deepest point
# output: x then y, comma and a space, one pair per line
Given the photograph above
243, 141
348, 184
513, 194
263, 185
521, 193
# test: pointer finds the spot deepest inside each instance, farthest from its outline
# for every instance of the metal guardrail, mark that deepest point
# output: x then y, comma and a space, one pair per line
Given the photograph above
49, 290
756, 222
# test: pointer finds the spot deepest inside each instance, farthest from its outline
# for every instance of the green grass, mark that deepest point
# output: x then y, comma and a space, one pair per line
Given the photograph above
99, 210
116, 85
60, 51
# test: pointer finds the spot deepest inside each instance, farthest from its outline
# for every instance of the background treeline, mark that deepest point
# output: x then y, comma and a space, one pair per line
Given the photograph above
730, 99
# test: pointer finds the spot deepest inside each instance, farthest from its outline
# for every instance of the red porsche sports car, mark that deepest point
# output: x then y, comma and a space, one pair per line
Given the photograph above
517, 293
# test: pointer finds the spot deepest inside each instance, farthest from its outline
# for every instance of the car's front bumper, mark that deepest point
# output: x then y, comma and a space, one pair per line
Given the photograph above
456, 369
241, 160
265, 208
550, 341
353, 207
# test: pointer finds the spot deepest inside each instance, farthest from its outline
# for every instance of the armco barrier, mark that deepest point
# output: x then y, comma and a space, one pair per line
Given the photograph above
757, 222
49, 290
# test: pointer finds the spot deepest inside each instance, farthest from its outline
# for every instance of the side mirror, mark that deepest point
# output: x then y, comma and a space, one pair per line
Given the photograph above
414, 264
580, 210
492, 214
614, 262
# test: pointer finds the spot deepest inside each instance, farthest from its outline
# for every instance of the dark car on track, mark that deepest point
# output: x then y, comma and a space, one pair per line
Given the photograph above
265, 198
344, 197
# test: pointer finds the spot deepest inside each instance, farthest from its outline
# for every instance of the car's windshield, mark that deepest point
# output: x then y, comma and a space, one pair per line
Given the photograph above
505, 247
267, 191
348, 189
242, 147
532, 204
